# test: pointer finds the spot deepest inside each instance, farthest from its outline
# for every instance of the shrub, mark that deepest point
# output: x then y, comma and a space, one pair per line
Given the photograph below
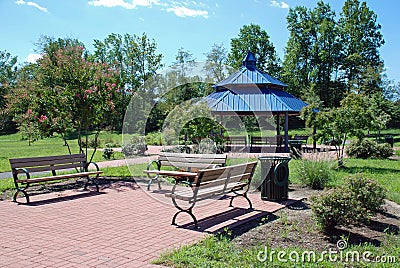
136, 146
383, 151
154, 138
367, 149
206, 146
91, 143
316, 171
108, 152
361, 149
352, 203
336, 207
178, 149
368, 192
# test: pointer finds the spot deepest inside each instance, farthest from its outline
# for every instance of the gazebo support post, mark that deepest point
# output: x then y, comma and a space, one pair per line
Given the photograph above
286, 132
278, 131
314, 139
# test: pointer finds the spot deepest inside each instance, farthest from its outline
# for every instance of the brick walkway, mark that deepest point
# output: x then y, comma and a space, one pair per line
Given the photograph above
122, 226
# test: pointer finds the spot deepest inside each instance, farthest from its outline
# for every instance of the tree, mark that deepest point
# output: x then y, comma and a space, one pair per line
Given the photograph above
80, 96
253, 38
357, 114
136, 60
360, 35
312, 54
8, 70
216, 60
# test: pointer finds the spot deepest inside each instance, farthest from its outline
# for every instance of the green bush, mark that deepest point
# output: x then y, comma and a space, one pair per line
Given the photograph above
178, 149
316, 171
368, 149
136, 146
154, 138
108, 152
336, 207
383, 151
368, 192
206, 146
352, 203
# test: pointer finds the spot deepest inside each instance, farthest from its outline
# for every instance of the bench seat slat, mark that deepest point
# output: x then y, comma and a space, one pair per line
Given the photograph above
65, 176
50, 168
202, 156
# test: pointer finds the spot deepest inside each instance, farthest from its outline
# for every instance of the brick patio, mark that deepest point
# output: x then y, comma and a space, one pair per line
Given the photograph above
122, 226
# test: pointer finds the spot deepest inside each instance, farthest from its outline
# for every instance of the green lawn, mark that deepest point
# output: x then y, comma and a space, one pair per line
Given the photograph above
12, 146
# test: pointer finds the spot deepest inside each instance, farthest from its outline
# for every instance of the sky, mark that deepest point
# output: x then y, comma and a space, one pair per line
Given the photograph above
194, 25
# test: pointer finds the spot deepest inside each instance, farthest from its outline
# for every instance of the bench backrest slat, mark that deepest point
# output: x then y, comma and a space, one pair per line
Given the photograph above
48, 163
186, 161
206, 178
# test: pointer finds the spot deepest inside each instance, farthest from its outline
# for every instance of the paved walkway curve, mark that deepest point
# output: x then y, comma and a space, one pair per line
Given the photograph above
122, 226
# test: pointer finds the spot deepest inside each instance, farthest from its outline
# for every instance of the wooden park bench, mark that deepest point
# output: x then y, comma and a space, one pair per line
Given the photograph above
182, 162
235, 143
28, 166
211, 183
256, 141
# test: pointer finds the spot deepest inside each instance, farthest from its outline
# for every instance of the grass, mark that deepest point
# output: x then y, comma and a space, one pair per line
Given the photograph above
220, 251
385, 172
12, 146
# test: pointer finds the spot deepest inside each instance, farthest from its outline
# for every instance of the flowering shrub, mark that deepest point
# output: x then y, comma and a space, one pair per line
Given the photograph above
136, 146
352, 203
336, 207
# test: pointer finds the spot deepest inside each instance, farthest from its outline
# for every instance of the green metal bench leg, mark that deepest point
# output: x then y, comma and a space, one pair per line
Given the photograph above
151, 181
244, 195
25, 194
93, 181
188, 211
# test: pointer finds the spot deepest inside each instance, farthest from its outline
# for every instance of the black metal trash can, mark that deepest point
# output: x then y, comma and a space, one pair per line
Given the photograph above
389, 139
274, 177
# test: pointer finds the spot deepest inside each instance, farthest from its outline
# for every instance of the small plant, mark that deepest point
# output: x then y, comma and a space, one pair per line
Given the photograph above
368, 192
368, 149
352, 203
336, 207
136, 146
315, 171
108, 152
178, 149
383, 151
206, 146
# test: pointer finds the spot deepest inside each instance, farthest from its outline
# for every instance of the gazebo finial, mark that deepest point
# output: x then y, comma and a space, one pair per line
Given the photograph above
250, 61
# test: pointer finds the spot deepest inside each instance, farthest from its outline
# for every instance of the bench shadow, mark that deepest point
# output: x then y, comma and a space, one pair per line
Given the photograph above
59, 199
206, 224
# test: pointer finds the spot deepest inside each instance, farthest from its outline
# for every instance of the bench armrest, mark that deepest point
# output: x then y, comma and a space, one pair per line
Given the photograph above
15, 174
93, 163
154, 161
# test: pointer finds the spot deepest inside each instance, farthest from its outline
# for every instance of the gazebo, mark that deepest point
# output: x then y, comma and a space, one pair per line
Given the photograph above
252, 92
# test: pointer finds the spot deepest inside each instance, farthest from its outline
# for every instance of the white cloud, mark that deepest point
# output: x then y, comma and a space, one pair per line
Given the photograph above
122, 3
182, 11
32, 4
32, 58
279, 4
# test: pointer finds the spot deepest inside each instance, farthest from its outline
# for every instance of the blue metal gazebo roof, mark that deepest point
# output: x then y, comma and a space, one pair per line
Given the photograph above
252, 91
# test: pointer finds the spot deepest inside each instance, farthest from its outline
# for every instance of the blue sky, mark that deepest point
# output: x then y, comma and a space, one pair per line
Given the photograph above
194, 25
